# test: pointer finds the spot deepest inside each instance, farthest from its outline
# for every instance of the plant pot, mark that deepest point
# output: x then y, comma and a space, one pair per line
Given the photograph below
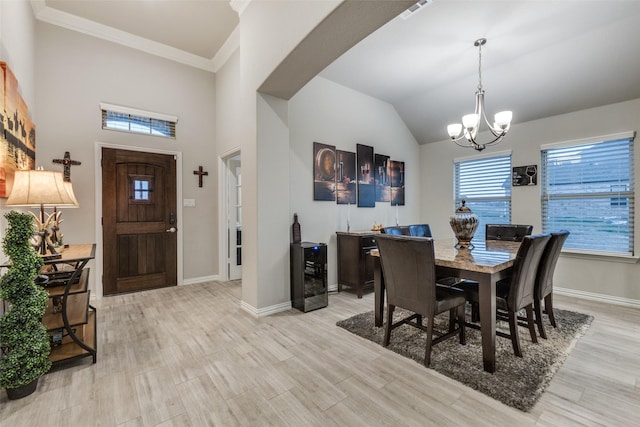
22, 391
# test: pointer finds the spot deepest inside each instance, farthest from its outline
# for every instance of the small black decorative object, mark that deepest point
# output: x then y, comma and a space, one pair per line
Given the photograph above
200, 174
295, 228
67, 163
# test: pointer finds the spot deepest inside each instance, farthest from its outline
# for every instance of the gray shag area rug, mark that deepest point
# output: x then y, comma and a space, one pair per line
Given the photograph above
517, 382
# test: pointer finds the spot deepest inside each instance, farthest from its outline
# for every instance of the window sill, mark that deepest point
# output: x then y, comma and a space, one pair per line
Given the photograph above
600, 256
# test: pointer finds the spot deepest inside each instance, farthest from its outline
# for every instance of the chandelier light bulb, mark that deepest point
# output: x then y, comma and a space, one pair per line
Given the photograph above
454, 130
503, 118
470, 121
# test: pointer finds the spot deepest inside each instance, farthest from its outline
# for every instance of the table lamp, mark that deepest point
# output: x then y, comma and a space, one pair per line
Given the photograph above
44, 189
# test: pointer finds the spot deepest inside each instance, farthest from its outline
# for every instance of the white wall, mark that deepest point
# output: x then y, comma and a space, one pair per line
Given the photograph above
74, 74
599, 277
17, 34
268, 32
331, 114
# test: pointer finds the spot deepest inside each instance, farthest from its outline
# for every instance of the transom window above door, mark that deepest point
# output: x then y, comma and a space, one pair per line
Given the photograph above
125, 119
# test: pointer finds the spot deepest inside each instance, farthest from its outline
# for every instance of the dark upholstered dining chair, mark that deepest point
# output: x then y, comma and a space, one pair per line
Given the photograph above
512, 232
408, 266
399, 230
509, 232
420, 230
517, 292
544, 280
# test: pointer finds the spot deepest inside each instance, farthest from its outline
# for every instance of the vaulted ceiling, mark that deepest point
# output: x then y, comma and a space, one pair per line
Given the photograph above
542, 58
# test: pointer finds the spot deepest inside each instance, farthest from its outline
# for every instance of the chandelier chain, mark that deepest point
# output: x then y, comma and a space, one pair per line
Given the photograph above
480, 66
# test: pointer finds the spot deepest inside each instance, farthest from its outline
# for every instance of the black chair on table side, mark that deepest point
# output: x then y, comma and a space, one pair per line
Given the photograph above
399, 230
420, 230
509, 232
544, 280
517, 292
512, 232
408, 266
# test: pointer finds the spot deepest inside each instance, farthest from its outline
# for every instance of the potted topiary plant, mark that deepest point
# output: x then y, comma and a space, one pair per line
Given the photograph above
23, 338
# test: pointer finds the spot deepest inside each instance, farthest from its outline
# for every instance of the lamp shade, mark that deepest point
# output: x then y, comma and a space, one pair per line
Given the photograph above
41, 188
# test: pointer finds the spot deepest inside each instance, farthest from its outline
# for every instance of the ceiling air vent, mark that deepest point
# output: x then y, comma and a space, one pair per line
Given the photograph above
414, 9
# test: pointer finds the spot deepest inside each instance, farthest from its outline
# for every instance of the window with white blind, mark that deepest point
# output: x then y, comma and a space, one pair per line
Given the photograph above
125, 119
485, 184
588, 189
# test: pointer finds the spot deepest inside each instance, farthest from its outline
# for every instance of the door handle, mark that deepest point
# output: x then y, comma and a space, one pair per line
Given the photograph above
171, 230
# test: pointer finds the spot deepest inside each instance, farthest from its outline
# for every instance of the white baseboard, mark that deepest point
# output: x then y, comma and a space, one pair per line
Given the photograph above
202, 279
266, 311
597, 297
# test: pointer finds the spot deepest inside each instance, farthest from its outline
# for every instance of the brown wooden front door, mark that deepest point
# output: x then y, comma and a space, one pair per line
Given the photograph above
138, 220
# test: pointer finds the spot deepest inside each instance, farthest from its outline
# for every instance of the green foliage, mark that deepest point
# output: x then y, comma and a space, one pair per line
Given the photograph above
23, 337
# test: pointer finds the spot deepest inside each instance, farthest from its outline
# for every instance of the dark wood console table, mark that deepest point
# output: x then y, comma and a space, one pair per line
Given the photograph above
355, 265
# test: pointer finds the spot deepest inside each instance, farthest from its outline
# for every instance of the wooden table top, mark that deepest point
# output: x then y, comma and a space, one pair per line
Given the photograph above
486, 257
74, 253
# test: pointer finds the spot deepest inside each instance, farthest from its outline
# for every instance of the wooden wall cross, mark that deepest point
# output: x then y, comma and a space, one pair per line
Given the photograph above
67, 163
200, 174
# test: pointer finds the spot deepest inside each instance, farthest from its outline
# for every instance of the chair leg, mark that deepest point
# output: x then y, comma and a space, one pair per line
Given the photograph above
513, 329
538, 311
387, 327
427, 351
531, 324
548, 307
419, 319
461, 319
475, 312
452, 320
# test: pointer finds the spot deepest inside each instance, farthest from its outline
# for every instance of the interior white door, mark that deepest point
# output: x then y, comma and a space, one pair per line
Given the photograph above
234, 218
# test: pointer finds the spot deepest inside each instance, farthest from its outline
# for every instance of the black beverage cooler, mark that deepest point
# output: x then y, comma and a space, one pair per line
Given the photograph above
309, 276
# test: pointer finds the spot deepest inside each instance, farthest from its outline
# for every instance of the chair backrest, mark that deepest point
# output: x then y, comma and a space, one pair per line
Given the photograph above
420, 230
525, 269
544, 279
408, 266
512, 232
400, 230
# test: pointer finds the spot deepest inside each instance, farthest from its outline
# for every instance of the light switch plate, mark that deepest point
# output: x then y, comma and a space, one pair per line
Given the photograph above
189, 202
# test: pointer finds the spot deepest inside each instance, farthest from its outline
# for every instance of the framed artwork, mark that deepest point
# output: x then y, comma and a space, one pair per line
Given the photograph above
18, 139
397, 183
345, 177
381, 169
366, 185
324, 172
524, 175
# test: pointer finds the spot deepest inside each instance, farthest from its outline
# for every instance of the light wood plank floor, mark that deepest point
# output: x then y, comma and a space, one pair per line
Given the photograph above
189, 356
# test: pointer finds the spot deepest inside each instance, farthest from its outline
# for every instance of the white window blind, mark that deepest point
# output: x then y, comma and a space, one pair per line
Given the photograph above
485, 185
588, 189
125, 119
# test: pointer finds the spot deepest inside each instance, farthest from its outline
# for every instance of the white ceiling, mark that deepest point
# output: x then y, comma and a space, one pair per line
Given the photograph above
542, 57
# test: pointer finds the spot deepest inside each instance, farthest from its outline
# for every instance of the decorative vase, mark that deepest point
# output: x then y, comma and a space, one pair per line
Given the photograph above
22, 391
464, 224
295, 229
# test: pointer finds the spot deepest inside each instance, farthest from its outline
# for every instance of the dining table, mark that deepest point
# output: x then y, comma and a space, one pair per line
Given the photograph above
487, 262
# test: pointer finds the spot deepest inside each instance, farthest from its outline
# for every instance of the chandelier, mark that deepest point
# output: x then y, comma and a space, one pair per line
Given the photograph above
471, 122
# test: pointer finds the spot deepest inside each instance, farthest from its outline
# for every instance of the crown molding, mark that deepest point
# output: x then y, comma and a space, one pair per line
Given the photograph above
228, 48
66, 20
